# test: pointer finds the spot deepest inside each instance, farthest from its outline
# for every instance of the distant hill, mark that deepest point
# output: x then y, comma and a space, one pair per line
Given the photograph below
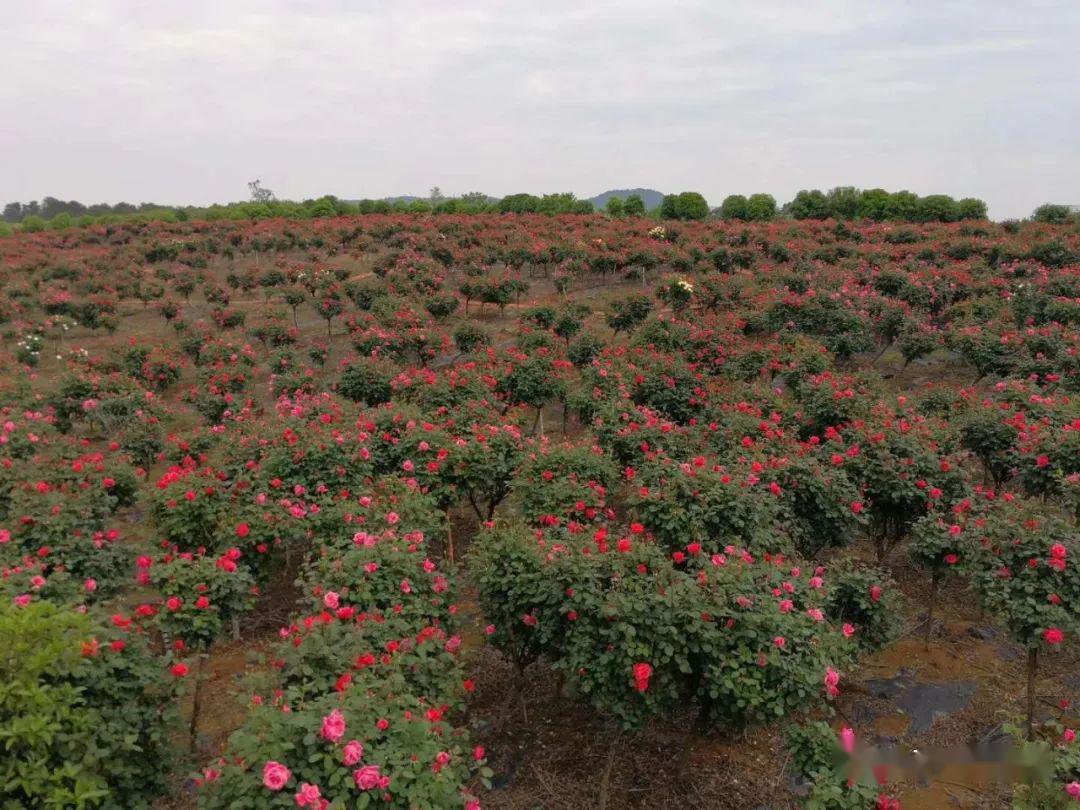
650, 196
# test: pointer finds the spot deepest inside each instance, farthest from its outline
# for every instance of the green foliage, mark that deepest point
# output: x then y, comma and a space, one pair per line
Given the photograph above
1051, 214
820, 760
629, 313
688, 205
1025, 568
468, 337
634, 206
867, 598
83, 721
761, 207
735, 206
201, 595
640, 635
406, 753
366, 381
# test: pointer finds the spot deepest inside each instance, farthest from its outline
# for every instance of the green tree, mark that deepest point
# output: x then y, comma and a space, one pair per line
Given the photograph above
903, 206
13, 212
615, 207
874, 204
691, 205
735, 206
971, 208
844, 202
634, 206
629, 313
937, 208
809, 204
33, 223
761, 207
519, 204
1049, 212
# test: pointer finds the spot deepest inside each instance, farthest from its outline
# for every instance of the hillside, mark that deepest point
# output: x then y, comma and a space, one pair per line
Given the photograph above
650, 196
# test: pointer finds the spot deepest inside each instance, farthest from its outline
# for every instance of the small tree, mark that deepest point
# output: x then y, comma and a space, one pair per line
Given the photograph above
294, 297
1052, 214
330, 306
628, 314
201, 596
258, 193
634, 206
735, 206
532, 381
1027, 575
761, 207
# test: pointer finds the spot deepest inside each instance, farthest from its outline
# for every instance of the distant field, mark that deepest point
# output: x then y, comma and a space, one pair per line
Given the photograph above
537, 511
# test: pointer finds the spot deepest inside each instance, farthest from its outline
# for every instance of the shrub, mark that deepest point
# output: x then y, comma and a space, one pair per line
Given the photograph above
866, 598
84, 712
366, 382
640, 634
406, 755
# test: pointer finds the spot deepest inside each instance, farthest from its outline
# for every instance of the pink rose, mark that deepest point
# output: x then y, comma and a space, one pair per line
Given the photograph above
331, 600
847, 739
333, 726
308, 794
275, 775
367, 777
832, 679
354, 752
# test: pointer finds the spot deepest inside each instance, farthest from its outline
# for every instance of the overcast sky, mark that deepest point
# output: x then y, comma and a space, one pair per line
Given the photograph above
108, 100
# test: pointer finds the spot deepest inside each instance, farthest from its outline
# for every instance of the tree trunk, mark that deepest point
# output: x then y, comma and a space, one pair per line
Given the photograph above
196, 700
1032, 666
449, 537
930, 610
605, 778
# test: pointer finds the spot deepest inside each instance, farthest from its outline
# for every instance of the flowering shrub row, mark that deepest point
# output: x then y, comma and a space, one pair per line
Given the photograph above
745, 638
365, 687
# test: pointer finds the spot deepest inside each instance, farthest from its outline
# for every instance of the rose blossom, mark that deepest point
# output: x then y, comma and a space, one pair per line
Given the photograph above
642, 673
354, 752
367, 777
333, 726
308, 794
1053, 635
275, 775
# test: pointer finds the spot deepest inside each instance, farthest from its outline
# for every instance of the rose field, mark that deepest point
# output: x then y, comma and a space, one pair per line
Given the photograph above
526, 511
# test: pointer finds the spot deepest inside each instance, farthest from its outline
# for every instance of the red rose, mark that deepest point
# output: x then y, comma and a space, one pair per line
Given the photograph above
642, 673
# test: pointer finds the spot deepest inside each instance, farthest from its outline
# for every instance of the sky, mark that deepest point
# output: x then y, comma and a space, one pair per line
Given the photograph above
184, 103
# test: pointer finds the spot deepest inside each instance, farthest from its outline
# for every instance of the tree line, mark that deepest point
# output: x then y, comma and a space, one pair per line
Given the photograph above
842, 202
